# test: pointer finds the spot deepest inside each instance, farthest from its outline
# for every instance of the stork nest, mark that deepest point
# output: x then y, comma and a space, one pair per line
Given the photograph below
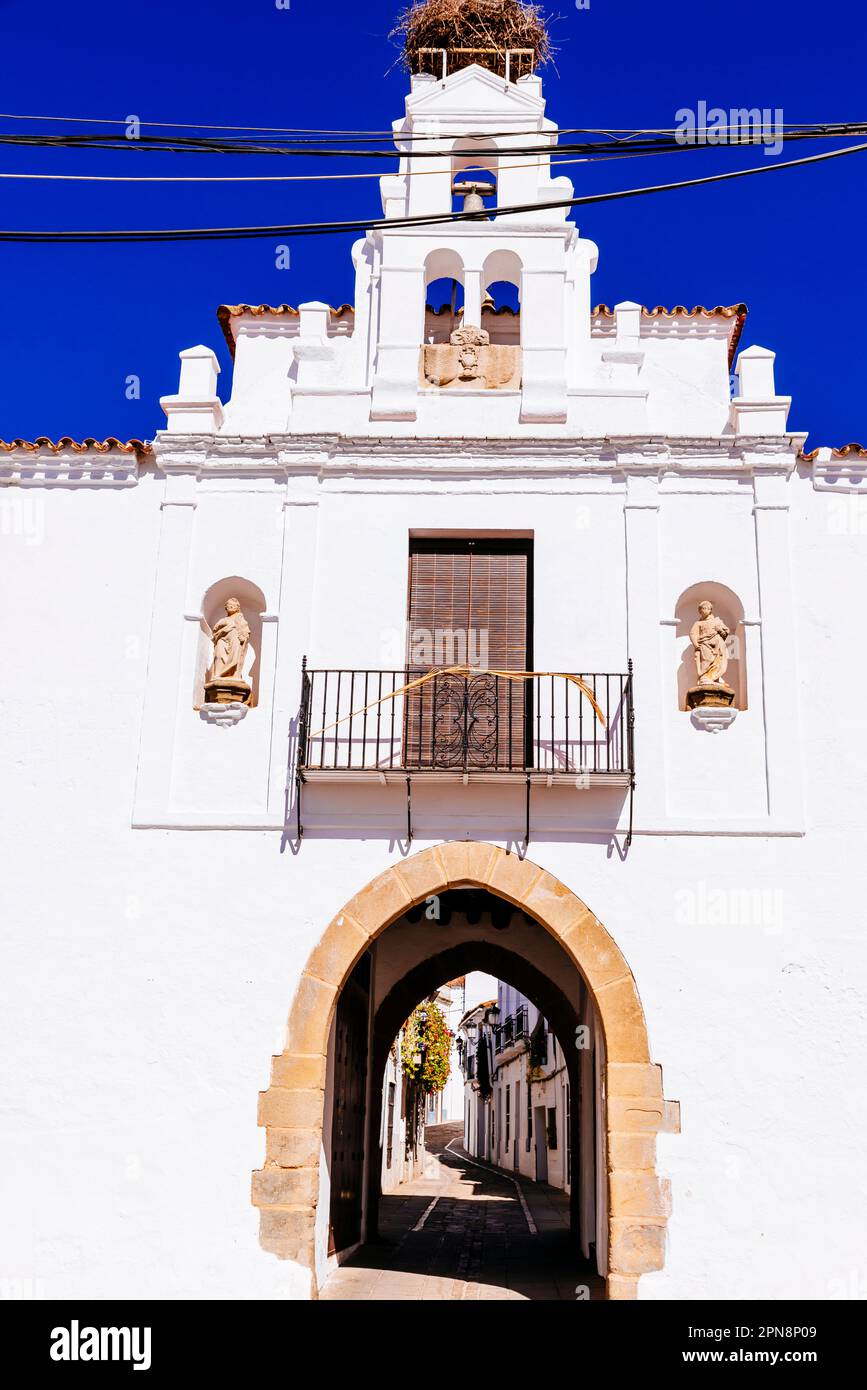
473, 31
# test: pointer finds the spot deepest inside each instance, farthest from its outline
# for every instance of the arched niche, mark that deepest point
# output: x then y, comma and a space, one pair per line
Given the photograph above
253, 605
728, 606
444, 294
501, 278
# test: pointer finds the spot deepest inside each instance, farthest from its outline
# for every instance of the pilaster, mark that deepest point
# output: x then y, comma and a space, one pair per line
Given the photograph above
781, 689
297, 576
166, 647
644, 639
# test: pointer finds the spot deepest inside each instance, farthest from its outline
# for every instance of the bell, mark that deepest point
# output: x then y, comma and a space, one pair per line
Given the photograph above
473, 194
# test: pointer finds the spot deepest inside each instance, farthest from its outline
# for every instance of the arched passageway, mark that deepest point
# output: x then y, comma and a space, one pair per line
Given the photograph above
469, 1220
293, 1190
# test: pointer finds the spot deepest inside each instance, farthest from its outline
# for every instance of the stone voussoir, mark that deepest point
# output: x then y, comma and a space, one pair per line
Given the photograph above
621, 1287
339, 947
553, 903
285, 1187
422, 874
635, 1114
598, 958
639, 1194
300, 1071
287, 1234
310, 1014
293, 1148
636, 1152
634, 1079
286, 1108
635, 1247
623, 1021
513, 878
380, 902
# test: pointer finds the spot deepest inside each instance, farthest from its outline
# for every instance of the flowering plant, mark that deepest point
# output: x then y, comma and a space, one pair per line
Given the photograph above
425, 1047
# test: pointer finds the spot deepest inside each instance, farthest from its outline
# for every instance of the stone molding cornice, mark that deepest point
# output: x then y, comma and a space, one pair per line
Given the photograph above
45, 466
333, 455
323, 456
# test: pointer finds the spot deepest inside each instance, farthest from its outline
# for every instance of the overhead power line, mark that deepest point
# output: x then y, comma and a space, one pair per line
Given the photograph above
202, 145
831, 127
554, 163
266, 178
323, 228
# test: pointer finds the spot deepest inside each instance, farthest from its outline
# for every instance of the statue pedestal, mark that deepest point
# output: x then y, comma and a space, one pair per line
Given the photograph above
713, 718
224, 715
226, 690
717, 696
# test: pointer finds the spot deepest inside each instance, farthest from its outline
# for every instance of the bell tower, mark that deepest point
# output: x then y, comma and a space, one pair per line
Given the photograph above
463, 136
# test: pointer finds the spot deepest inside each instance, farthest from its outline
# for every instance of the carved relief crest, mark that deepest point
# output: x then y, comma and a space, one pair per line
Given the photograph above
470, 359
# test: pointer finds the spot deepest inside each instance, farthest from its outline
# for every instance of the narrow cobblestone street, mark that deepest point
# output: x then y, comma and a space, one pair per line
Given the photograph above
467, 1231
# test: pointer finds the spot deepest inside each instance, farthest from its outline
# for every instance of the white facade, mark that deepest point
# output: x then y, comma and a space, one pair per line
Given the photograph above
159, 906
531, 1090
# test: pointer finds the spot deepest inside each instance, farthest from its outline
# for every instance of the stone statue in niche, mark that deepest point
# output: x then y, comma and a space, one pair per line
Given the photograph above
708, 637
230, 635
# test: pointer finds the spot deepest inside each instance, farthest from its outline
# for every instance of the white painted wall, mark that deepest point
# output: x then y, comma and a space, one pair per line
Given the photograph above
157, 911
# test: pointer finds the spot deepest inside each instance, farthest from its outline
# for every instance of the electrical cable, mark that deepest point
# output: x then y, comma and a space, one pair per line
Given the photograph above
301, 131
552, 163
190, 145
323, 228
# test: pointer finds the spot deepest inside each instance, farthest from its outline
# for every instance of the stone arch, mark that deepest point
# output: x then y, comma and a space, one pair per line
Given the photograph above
445, 964
292, 1109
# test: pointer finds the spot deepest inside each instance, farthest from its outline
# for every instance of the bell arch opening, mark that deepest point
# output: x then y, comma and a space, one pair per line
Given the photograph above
375, 955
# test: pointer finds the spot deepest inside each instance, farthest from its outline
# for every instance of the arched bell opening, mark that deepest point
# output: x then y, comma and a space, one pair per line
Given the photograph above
501, 301
474, 176
444, 295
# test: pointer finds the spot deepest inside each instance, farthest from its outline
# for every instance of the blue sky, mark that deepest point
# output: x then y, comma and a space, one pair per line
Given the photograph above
78, 320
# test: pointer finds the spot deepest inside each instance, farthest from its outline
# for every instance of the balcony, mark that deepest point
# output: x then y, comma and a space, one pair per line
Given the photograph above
504, 1034
512, 1030
396, 725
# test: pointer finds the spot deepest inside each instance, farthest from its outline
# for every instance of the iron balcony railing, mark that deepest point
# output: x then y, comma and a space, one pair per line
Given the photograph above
365, 721
511, 1030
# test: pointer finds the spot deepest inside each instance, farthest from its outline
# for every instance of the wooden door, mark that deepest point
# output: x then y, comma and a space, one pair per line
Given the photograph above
469, 605
347, 1129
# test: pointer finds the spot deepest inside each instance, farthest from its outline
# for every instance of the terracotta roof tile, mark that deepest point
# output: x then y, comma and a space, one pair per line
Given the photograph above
726, 311
227, 312
857, 451
738, 312
83, 446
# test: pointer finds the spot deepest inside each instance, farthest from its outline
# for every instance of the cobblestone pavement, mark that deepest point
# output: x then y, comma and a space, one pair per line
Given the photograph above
463, 1232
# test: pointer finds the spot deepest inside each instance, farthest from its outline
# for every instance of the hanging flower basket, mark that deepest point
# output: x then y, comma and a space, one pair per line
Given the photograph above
425, 1048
